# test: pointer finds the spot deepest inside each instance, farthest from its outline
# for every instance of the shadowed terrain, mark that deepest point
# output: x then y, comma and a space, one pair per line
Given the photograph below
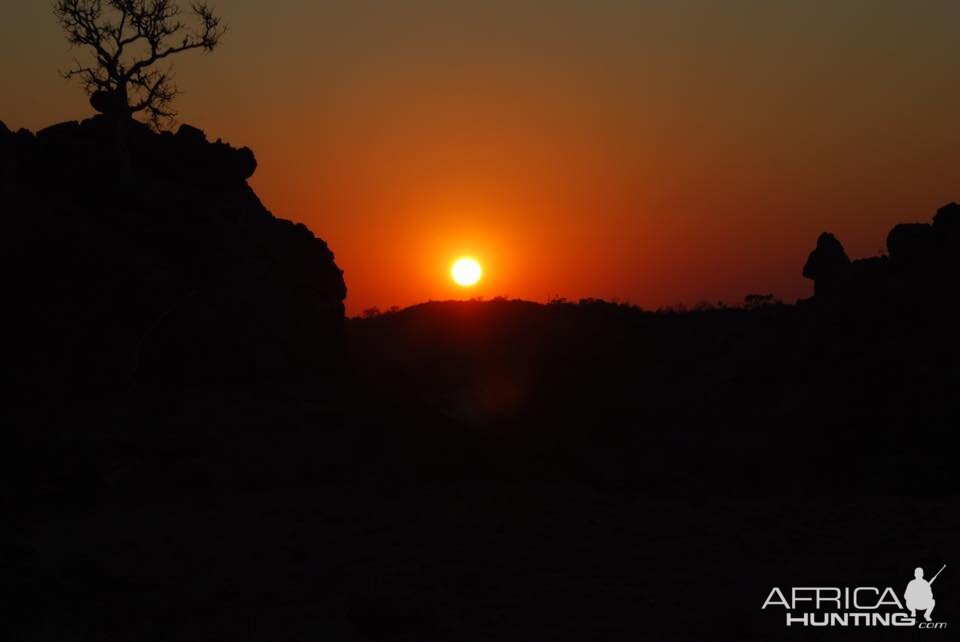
206, 449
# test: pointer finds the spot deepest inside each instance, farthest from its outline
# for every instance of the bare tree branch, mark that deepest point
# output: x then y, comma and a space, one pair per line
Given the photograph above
127, 39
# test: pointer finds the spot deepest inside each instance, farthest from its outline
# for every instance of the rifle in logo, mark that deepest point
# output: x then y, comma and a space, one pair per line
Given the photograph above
934, 579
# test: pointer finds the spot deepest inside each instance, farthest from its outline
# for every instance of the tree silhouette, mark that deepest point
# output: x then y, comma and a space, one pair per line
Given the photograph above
129, 39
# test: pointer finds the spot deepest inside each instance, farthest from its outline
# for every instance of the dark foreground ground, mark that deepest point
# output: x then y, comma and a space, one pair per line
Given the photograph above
498, 471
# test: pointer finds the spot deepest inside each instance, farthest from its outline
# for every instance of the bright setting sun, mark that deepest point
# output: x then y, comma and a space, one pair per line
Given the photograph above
466, 272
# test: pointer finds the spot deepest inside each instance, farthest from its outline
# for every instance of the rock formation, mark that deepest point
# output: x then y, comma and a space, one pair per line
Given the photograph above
132, 254
920, 270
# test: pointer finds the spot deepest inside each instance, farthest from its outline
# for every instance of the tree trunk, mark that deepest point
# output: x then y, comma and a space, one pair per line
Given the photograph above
123, 117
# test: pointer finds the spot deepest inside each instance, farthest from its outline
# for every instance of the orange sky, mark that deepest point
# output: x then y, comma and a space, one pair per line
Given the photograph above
658, 152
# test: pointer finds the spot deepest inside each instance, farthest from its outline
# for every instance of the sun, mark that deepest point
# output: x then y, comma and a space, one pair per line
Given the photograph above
466, 272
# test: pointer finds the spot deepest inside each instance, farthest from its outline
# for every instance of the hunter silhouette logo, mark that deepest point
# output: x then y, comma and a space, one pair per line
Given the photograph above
827, 606
919, 595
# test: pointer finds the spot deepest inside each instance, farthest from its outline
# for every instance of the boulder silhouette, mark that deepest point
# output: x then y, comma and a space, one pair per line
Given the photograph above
827, 266
170, 269
910, 242
946, 224
107, 103
191, 134
947, 218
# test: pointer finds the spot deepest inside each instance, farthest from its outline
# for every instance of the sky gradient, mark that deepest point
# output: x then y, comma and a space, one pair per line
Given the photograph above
659, 152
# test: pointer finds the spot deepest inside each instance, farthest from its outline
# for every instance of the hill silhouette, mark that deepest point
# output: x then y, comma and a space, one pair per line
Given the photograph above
711, 400
207, 449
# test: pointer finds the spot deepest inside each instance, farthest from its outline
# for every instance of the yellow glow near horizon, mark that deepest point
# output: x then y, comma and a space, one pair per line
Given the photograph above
466, 272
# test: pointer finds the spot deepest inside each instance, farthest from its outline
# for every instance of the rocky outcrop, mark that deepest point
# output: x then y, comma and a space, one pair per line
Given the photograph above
920, 269
137, 255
